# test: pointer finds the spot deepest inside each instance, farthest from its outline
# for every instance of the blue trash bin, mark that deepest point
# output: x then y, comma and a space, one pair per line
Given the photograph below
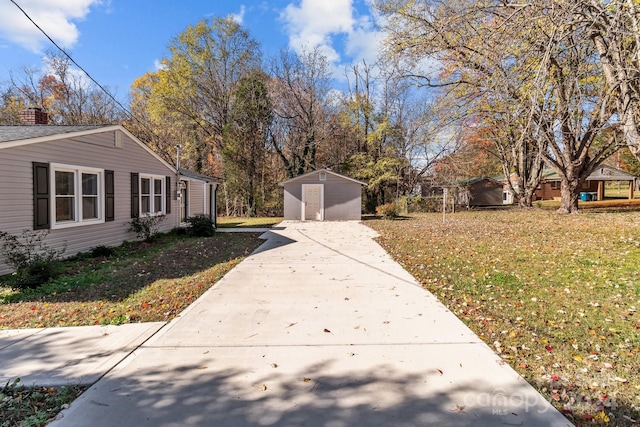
584, 197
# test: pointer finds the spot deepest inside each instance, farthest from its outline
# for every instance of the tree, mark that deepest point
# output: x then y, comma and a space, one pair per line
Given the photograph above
10, 106
613, 28
495, 54
299, 92
190, 98
474, 67
245, 140
64, 93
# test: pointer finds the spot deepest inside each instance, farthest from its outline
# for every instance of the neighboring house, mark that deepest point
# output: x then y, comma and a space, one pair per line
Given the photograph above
593, 188
86, 183
322, 195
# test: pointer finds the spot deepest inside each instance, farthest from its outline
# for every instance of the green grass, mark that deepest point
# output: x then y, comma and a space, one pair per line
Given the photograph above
554, 296
241, 222
140, 282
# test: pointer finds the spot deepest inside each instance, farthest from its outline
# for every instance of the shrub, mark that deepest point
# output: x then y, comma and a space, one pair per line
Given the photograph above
201, 226
387, 211
146, 227
102, 251
35, 262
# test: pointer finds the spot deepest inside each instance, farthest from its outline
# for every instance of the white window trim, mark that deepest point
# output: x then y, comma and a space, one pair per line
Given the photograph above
77, 171
162, 178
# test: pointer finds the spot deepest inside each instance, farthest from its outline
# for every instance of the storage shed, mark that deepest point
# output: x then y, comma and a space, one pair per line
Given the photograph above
322, 195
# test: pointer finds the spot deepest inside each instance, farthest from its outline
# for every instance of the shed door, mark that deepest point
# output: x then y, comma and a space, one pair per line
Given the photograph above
312, 202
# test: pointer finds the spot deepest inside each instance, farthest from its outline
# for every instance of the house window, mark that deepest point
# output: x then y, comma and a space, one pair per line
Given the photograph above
78, 193
152, 195
555, 185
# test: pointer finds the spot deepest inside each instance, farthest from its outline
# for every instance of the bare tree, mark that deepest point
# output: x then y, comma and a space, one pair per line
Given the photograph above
299, 92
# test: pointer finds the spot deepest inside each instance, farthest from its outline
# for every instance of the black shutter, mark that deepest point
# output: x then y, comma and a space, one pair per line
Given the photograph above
41, 198
168, 195
135, 195
109, 196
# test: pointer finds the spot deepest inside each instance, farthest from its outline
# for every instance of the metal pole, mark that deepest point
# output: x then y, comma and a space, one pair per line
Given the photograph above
444, 205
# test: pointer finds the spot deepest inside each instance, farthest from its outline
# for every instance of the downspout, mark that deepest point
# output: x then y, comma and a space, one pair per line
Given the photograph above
215, 205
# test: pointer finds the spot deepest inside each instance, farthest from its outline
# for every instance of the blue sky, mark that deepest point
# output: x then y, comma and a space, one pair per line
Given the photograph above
117, 41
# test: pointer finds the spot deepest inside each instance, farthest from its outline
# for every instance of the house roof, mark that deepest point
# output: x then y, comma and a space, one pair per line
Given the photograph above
22, 132
317, 172
193, 175
16, 135
602, 173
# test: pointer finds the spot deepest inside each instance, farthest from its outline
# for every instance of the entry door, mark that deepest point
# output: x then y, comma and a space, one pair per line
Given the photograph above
184, 203
312, 202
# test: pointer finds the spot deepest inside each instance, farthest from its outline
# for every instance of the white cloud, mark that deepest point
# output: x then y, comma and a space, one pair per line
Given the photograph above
55, 17
158, 65
239, 17
314, 23
343, 32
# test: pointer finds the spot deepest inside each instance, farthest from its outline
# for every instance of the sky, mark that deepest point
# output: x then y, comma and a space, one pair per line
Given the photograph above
117, 41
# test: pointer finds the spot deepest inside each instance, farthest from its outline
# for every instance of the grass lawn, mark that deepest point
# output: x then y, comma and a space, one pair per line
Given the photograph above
260, 222
140, 282
555, 296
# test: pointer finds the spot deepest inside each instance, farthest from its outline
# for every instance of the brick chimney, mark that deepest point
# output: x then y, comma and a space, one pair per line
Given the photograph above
34, 116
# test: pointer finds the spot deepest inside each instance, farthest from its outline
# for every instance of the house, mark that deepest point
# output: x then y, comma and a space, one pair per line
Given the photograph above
593, 188
322, 195
86, 183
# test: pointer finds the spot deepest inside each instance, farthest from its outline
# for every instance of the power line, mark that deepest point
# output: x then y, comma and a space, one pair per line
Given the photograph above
118, 103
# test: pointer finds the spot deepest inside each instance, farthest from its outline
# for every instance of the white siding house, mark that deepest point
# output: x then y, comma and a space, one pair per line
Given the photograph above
85, 183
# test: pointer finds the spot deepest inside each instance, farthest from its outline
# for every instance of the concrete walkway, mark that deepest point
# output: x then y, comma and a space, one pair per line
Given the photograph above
319, 327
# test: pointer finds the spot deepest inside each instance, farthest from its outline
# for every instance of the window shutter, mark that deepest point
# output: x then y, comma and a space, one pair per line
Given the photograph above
135, 195
41, 197
109, 196
168, 195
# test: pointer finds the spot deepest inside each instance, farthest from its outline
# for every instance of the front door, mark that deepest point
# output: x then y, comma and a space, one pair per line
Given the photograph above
312, 202
184, 203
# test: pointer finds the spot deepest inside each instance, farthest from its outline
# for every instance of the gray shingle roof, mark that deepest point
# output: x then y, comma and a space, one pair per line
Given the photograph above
19, 132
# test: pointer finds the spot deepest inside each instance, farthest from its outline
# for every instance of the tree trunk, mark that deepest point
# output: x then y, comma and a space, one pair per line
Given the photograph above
569, 196
526, 198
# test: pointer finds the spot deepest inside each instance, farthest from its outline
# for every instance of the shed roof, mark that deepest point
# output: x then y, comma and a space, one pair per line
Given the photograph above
317, 172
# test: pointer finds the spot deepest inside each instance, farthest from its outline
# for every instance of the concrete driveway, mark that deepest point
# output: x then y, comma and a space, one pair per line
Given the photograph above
319, 327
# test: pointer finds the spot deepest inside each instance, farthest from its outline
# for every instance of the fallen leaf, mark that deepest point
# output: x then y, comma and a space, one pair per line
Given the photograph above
263, 387
441, 373
327, 331
306, 380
